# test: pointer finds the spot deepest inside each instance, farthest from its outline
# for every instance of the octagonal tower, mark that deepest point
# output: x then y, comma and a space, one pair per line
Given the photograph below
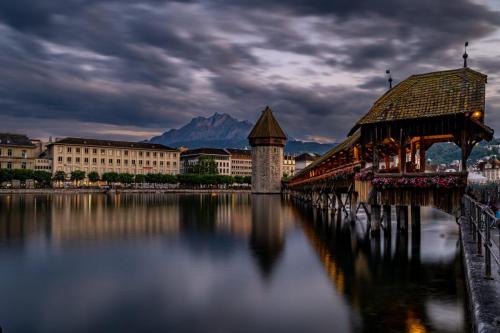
267, 140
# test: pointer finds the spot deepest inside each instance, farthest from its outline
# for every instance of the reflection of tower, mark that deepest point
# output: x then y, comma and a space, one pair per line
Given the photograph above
267, 235
267, 140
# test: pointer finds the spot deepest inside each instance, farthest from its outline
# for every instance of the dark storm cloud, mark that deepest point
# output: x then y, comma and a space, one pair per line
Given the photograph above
158, 63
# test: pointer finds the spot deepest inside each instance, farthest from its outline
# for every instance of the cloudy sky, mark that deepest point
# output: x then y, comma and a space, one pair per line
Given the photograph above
131, 69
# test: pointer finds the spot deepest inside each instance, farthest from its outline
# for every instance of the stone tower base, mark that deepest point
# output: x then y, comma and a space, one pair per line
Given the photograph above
267, 169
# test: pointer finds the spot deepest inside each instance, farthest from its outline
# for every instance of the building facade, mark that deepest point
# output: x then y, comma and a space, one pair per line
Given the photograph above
101, 156
288, 165
267, 140
17, 151
490, 169
221, 157
303, 160
241, 162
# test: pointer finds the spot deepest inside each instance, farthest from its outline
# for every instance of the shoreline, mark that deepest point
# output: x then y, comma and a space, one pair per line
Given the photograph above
119, 191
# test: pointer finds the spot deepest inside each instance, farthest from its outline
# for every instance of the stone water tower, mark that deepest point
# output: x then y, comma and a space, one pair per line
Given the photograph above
267, 140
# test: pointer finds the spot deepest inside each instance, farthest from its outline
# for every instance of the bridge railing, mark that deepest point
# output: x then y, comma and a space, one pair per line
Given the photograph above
482, 221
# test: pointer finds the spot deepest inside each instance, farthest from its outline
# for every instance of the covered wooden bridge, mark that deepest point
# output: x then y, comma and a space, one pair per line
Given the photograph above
382, 162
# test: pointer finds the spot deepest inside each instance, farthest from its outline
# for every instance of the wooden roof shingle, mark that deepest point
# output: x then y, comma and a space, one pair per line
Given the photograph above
267, 127
430, 95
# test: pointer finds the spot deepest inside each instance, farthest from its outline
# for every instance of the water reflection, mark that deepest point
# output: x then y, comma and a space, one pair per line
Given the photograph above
224, 263
267, 235
393, 290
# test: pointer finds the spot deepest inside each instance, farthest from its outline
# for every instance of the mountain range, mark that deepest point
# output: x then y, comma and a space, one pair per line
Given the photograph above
224, 131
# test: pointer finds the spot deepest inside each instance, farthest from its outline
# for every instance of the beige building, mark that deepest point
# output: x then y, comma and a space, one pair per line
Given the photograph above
43, 164
221, 157
288, 165
17, 151
241, 162
70, 154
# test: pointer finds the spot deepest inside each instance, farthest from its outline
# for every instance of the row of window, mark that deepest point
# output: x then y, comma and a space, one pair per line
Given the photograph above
87, 151
10, 153
118, 170
245, 167
8, 165
43, 167
111, 161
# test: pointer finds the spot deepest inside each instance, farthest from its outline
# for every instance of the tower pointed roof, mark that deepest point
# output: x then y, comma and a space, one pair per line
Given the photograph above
267, 127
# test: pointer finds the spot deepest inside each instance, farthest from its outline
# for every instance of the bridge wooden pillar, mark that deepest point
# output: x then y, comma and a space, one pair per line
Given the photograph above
325, 201
375, 220
402, 152
388, 221
415, 219
415, 234
338, 195
421, 153
402, 218
353, 204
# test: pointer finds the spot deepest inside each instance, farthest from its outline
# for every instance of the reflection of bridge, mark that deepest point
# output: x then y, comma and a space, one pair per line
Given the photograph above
382, 162
387, 287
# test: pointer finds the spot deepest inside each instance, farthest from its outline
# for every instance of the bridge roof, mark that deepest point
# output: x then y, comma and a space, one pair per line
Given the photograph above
267, 127
429, 95
349, 142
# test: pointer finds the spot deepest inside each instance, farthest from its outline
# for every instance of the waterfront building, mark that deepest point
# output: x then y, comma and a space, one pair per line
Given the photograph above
43, 164
303, 160
288, 165
241, 162
101, 156
192, 157
267, 140
490, 169
17, 151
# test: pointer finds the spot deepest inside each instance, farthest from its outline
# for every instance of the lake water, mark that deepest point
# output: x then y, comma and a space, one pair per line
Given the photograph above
218, 263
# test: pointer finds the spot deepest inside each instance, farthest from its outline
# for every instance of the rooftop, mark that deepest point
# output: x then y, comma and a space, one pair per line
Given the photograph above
112, 143
205, 151
267, 127
233, 151
429, 95
15, 140
307, 157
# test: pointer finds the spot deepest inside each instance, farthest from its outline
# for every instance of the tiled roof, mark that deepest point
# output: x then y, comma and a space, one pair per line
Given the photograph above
307, 157
246, 152
429, 95
112, 143
205, 151
267, 127
15, 140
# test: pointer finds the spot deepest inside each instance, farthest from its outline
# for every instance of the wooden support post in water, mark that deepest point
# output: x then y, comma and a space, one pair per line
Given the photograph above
375, 222
353, 207
339, 206
388, 222
415, 234
402, 218
415, 219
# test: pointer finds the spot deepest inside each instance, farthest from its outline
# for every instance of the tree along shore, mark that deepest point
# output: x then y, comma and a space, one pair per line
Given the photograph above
28, 179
